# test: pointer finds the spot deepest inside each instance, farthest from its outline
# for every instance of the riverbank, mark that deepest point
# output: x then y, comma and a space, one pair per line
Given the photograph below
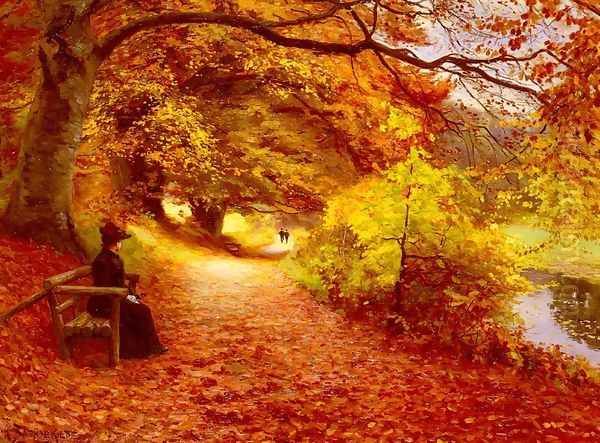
551, 318
566, 311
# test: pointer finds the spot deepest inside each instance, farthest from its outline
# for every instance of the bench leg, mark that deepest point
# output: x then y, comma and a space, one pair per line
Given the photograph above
58, 326
64, 348
116, 333
113, 356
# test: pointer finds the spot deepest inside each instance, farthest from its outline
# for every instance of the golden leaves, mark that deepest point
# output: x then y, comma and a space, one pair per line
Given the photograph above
402, 122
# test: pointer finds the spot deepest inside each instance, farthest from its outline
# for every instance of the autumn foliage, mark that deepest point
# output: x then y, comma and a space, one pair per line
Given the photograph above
417, 249
416, 129
276, 365
44, 395
25, 265
29, 339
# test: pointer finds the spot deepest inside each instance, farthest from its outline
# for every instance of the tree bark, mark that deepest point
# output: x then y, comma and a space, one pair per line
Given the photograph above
153, 180
209, 216
400, 286
40, 206
153, 205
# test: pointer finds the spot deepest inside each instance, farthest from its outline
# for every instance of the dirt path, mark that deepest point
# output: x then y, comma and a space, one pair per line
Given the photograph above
271, 363
253, 358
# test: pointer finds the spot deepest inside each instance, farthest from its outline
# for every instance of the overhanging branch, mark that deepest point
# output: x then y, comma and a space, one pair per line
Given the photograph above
266, 29
270, 210
588, 6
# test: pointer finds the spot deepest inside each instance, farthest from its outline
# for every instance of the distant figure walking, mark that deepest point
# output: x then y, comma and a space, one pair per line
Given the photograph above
286, 235
281, 235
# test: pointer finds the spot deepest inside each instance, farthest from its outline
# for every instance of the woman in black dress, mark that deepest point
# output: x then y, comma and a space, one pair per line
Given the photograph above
137, 331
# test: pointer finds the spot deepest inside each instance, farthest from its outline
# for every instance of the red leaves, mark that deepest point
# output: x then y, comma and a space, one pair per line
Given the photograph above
23, 266
202, 362
208, 382
297, 371
13, 38
16, 56
173, 371
17, 60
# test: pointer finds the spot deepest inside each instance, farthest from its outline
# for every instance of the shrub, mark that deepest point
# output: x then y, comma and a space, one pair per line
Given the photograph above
415, 241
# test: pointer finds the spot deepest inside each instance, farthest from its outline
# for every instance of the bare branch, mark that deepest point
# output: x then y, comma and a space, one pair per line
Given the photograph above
421, 10
314, 18
426, 257
588, 6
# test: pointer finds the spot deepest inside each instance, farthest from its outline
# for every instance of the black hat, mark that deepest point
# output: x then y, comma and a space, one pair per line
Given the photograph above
111, 233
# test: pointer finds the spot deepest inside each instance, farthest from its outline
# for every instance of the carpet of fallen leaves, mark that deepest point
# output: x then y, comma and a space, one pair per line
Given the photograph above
253, 358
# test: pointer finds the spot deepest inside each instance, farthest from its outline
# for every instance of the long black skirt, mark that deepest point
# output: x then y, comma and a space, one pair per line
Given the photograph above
137, 331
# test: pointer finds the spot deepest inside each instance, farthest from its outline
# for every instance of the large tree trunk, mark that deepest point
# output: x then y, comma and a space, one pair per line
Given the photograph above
209, 216
153, 205
142, 182
41, 204
153, 181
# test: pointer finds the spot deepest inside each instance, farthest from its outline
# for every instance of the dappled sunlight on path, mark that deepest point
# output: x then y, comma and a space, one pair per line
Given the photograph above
277, 248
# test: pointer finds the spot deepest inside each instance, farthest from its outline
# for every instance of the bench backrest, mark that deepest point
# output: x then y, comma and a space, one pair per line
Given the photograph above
59, 305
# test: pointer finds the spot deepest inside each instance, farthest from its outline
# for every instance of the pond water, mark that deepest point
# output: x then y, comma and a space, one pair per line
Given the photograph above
566, 313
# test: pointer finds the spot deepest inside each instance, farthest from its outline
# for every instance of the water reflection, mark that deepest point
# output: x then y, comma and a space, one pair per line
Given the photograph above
576, 307
565, 313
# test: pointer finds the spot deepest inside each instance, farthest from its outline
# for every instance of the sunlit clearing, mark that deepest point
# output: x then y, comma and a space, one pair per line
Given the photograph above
176, 211
224, 268
235, 222
251, 230
152, 238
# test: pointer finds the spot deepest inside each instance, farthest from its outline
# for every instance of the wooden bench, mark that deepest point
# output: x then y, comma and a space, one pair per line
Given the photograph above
62, 297
233, 248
